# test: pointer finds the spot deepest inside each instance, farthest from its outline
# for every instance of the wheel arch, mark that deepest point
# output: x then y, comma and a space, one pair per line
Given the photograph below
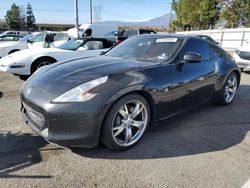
237, 72
14, 50
110, 103
37, 59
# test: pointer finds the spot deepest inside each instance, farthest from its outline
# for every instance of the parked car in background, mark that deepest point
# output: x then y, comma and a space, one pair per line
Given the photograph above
9, 38
23, 33
113, 98
38, 41
208, 38
26, 62
14, 46
242, 56
125, 34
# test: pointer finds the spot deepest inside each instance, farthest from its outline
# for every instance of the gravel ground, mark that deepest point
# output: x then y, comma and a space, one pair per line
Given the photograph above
206, 147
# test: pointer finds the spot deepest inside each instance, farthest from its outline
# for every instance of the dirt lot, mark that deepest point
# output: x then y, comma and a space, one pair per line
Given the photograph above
206, 147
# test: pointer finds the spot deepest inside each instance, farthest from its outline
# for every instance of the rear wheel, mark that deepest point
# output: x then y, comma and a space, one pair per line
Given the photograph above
229, 90
126, 122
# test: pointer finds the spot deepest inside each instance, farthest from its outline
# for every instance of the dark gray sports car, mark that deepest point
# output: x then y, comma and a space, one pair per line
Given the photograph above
114, 97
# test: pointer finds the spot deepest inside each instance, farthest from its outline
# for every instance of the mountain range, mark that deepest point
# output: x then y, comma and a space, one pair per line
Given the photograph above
162, 21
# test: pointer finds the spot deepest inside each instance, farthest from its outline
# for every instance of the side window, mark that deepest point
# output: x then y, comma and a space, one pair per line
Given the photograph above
198, 46
8, 38
38, 38
93, 45
216, 52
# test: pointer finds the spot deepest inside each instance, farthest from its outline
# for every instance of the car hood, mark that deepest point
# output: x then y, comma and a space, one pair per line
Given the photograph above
58, 78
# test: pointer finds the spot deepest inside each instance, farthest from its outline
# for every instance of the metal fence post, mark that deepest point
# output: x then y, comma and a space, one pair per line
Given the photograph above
222, 37
243, 38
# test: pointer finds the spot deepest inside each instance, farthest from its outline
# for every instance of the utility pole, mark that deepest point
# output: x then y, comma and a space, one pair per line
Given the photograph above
171, 12
91, 11
76, 17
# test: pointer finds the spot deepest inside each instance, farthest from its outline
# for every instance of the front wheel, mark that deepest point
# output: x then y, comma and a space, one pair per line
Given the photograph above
229, 90
40, 63
126, 122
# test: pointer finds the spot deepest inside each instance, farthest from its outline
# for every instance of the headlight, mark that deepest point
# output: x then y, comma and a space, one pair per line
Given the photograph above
82, 92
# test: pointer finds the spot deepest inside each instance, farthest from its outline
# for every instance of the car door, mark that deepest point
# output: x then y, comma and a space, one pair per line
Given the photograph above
195, 79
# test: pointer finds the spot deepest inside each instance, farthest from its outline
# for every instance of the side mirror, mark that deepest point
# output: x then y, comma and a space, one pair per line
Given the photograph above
192, 57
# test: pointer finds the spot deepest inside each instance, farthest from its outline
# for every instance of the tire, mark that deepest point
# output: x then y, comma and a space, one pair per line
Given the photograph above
41, 62
24, 77
124, 126
228, 91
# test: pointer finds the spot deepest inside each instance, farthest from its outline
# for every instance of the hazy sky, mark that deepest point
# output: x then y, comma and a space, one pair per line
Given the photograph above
62, 11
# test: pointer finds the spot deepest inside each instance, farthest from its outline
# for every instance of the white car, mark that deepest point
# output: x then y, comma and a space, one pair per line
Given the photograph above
26, 62
242, 56
38, 41
32, 41
14, 46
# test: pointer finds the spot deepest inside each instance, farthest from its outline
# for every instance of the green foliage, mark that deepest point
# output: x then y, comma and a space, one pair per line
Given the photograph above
30, 18
236, 12
205, 14
15, 21
13, 18
196, 14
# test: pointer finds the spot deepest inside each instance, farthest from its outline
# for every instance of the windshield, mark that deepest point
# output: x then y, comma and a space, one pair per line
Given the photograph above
72, 44
27, 37
147, 48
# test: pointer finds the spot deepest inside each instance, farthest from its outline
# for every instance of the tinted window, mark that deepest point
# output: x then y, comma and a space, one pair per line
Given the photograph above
216, 52
129, 33
198, 46
142, 32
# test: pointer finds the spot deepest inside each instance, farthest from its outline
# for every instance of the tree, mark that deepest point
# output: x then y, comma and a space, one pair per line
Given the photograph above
209, 13
196, 14
236, 12
245, 19
30, 18
13, 18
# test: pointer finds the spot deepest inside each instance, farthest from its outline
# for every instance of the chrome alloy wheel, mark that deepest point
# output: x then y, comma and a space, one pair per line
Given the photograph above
129, 123
231, 88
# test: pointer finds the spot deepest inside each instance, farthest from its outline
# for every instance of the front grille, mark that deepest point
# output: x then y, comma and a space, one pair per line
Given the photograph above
36, 117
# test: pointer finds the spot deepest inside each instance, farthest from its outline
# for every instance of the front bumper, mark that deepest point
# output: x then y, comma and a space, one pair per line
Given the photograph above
67, 124
242, 63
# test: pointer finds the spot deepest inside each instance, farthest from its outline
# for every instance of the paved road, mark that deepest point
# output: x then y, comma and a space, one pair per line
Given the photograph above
206, 147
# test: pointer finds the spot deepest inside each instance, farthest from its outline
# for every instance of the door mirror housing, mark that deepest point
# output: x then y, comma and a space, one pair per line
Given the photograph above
192, 57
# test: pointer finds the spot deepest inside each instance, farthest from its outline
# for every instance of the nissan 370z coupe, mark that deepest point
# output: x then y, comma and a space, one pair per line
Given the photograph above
113, 98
